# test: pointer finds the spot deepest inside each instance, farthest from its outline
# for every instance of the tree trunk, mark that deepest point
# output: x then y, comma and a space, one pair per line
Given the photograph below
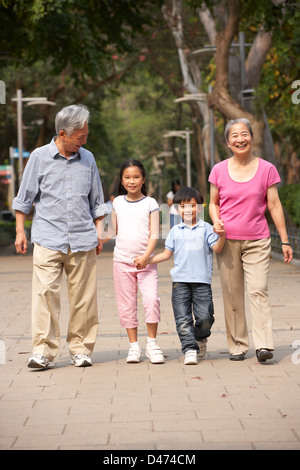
190, 71
220, 98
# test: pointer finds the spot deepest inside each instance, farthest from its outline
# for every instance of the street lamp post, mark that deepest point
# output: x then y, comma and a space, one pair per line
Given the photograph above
30, 101
184, 135
203, 98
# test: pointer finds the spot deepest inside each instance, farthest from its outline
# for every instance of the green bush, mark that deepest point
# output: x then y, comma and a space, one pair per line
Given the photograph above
290, 198
8, 231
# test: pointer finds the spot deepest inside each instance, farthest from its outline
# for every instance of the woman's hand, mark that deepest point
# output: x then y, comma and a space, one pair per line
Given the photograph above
287, 253
219, 227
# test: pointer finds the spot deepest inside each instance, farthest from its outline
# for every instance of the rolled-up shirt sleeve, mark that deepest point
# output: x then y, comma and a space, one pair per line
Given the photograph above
97, 205
67, 195
29, 187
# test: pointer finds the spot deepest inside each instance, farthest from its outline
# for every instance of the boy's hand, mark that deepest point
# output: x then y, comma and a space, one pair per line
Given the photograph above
219, 228
136, 263
141, 262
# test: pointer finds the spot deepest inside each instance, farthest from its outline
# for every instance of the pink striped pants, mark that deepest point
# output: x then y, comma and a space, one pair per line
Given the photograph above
127, 279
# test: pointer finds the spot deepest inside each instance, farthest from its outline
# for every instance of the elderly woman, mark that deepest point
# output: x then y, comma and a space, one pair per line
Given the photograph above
242, 187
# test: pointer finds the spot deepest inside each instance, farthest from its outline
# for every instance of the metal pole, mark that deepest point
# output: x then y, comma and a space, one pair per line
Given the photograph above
20, 133
13, 183
212, 134
242, 60
188, 159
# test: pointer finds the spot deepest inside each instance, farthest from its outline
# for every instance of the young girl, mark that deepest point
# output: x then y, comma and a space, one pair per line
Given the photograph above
135, 220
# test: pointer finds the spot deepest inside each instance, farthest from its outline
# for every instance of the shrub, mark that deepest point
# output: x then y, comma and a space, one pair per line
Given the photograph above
290, 198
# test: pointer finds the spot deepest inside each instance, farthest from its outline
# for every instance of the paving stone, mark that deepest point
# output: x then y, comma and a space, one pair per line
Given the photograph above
114, 406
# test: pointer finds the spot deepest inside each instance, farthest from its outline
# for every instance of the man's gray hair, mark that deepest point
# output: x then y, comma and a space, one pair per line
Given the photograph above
71, 117
236, 121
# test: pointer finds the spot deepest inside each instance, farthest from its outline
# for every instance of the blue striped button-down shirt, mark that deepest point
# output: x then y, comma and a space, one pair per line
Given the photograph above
68, 196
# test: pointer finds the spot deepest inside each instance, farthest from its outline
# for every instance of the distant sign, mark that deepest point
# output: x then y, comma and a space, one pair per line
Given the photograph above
15, 153
2, 92
5, 174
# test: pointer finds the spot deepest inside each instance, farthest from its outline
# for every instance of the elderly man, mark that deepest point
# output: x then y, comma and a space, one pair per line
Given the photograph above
62, 180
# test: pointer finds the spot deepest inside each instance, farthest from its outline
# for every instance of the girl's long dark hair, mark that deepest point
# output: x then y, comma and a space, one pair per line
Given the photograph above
128, 163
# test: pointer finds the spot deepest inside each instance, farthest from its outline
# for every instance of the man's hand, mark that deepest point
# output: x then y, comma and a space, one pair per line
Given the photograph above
21, 239
99, 247
21, 243
99, 229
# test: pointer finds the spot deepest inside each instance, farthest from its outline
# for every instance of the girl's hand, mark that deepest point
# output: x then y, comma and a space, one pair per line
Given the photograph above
141, 262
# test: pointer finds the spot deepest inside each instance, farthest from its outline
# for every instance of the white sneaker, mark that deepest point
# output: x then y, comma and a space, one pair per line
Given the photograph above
202, 346
81, 360
190, 357
154, 353
38, 361
134, 355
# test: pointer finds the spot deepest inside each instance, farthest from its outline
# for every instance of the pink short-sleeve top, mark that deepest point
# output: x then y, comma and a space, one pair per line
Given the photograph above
243, 204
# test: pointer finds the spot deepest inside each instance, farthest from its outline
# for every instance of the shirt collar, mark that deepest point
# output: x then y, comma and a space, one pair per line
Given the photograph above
54, 150
200, 223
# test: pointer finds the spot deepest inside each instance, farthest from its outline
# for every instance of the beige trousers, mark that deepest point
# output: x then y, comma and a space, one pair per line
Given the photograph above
249, 260
80, 268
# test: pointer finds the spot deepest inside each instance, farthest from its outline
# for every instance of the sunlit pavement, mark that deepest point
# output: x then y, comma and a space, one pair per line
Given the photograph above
217, 404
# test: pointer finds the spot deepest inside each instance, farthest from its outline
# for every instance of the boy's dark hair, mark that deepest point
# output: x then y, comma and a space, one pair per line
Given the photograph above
186, 194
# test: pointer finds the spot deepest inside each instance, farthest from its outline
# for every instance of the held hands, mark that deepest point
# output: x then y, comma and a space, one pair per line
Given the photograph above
219, 228
99, 247
141, 262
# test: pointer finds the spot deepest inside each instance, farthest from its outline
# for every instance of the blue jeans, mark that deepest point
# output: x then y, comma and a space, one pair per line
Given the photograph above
193, 311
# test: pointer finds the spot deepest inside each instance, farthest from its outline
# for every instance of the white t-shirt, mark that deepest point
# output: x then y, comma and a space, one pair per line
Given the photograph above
170, 195
133, 227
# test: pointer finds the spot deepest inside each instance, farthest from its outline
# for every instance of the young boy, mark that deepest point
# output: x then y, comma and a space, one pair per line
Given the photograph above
192, 242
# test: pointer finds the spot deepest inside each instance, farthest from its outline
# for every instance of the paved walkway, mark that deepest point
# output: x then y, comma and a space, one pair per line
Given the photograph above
113, 406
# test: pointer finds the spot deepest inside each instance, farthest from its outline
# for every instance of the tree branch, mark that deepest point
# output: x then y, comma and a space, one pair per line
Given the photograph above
257, 56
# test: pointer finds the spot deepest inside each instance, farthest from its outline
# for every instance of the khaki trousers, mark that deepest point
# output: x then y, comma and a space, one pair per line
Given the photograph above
249, 260
80, 268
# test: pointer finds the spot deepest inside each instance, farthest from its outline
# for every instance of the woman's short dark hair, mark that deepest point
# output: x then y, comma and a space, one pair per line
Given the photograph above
127, 164
186, 194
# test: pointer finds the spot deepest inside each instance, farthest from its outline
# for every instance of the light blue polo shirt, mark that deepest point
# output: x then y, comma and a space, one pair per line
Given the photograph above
193, 256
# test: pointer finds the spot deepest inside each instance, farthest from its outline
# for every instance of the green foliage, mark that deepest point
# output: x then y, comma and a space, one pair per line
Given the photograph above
62, 49
130, 123
280, 69
80, 33
290, 198
128, 119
